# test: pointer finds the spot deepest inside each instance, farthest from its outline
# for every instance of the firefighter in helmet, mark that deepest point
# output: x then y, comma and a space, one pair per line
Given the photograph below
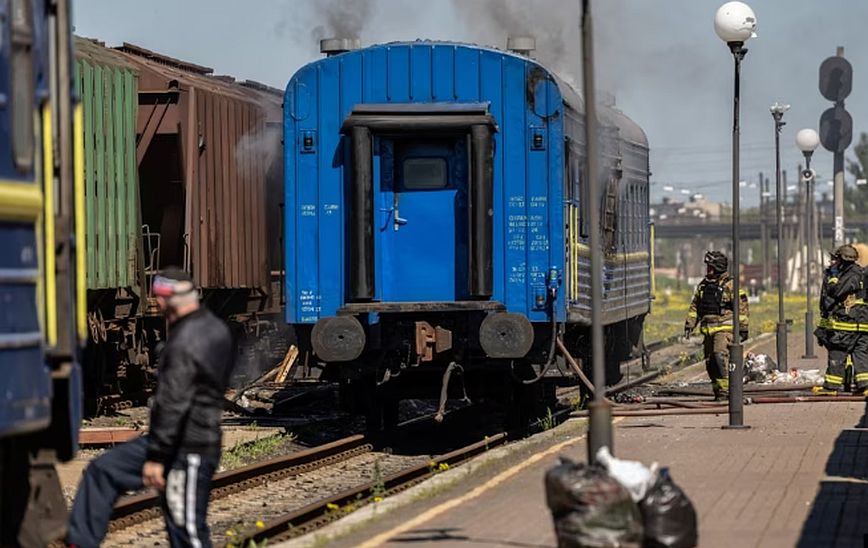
712, 310
844, 321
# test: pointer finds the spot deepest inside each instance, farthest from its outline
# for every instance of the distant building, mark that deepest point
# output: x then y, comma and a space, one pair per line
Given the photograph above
696, 209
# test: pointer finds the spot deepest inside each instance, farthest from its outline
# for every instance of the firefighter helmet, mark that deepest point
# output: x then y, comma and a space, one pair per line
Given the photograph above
847, 253
717, 261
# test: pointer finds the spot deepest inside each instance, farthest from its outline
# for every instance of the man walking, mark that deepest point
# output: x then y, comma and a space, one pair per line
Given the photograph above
844, 319
712, 309
181, 451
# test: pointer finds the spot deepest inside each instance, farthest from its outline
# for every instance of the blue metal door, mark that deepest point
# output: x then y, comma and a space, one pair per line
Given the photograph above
421, 217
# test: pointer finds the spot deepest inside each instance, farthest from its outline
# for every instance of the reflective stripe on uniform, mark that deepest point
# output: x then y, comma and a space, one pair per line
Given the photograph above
834, 379
709, 330
860, 377
837, 325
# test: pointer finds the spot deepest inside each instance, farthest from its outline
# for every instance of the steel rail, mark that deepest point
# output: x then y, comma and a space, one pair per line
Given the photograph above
138, 508
321, 512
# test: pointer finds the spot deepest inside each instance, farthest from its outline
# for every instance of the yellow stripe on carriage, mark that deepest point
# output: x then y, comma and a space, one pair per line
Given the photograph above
80, 243
50, 257
20, 201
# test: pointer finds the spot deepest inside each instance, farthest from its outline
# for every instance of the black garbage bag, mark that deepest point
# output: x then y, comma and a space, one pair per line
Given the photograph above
668, 516
590, 508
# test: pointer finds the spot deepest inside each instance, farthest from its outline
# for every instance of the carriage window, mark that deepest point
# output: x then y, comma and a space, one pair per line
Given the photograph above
22, 85
425, 173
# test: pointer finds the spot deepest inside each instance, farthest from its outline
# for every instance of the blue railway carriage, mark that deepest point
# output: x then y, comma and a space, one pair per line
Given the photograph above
437, 224
40, 332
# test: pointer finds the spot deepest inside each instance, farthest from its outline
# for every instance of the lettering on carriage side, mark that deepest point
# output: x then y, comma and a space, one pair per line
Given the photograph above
539, 242
517, 273
308, 210
516, 201
537, 275
536, 224
309, 302
538, 201
330, 209
516, 229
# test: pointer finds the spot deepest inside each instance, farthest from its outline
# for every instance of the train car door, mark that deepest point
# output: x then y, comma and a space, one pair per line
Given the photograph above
421, 218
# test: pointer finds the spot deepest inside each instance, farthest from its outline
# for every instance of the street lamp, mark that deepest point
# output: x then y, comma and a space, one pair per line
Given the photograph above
735, 23
807, 140
777, 111
600, 411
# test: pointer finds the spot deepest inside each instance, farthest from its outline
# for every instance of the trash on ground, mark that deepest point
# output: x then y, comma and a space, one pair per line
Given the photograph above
633, 475
668, 516
762, 369
590, 507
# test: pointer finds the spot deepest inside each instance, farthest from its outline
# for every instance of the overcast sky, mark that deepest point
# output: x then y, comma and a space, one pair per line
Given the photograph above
661, 59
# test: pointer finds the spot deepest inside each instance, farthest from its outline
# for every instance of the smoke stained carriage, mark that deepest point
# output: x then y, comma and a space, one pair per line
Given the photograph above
436, 220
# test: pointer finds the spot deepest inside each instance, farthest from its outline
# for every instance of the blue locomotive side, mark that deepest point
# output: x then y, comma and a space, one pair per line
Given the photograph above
26, 376
41, 298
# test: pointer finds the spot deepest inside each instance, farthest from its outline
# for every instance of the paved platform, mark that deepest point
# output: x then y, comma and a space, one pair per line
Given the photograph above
797, 477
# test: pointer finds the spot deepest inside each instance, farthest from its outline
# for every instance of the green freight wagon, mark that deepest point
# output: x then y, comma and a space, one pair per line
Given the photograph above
179, 170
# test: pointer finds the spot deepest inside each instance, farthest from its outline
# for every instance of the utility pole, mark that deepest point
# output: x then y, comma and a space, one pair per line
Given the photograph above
763, 228
600, 411
766, 213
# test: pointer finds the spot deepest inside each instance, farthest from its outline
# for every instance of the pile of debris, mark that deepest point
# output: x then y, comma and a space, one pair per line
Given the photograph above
762, 369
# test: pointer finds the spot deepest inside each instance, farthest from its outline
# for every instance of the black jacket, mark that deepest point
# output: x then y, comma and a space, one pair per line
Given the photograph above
842, 294
192, 378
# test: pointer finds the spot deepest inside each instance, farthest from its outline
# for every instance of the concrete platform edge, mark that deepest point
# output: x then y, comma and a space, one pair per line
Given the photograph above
433, 486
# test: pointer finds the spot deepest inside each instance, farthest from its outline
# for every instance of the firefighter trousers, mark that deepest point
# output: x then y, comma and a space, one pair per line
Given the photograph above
715, 346
840, 345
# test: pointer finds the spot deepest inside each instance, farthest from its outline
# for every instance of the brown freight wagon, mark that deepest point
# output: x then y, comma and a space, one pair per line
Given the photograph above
182, 168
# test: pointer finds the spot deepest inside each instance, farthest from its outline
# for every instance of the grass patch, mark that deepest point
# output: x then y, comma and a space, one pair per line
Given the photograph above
242, 454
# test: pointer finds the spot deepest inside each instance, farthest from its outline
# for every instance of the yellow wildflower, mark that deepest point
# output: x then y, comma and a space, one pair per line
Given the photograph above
260, 524
378, 499
444, 466
332, 506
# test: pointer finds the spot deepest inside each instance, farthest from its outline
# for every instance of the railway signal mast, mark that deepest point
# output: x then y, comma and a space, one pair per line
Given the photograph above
836, 126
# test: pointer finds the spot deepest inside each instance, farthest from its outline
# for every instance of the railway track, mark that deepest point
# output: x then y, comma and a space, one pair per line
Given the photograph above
135, 510
323, 511
264, 492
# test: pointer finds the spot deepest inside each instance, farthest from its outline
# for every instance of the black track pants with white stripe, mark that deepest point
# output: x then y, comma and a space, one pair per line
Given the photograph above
185, 500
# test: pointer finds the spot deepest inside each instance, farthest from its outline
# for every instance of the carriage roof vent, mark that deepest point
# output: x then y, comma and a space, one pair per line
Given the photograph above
522, 45
334, 46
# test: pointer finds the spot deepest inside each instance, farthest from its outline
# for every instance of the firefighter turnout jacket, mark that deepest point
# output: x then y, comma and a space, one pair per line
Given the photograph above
712, 306
842, 299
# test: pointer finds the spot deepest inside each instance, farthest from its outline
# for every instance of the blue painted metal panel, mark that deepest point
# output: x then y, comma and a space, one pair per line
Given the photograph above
528, 225
25, 386
25, 391
421, 232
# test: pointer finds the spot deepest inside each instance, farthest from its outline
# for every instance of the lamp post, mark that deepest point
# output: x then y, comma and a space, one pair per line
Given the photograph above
777, 111
807, 140
600, 412
735, 23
